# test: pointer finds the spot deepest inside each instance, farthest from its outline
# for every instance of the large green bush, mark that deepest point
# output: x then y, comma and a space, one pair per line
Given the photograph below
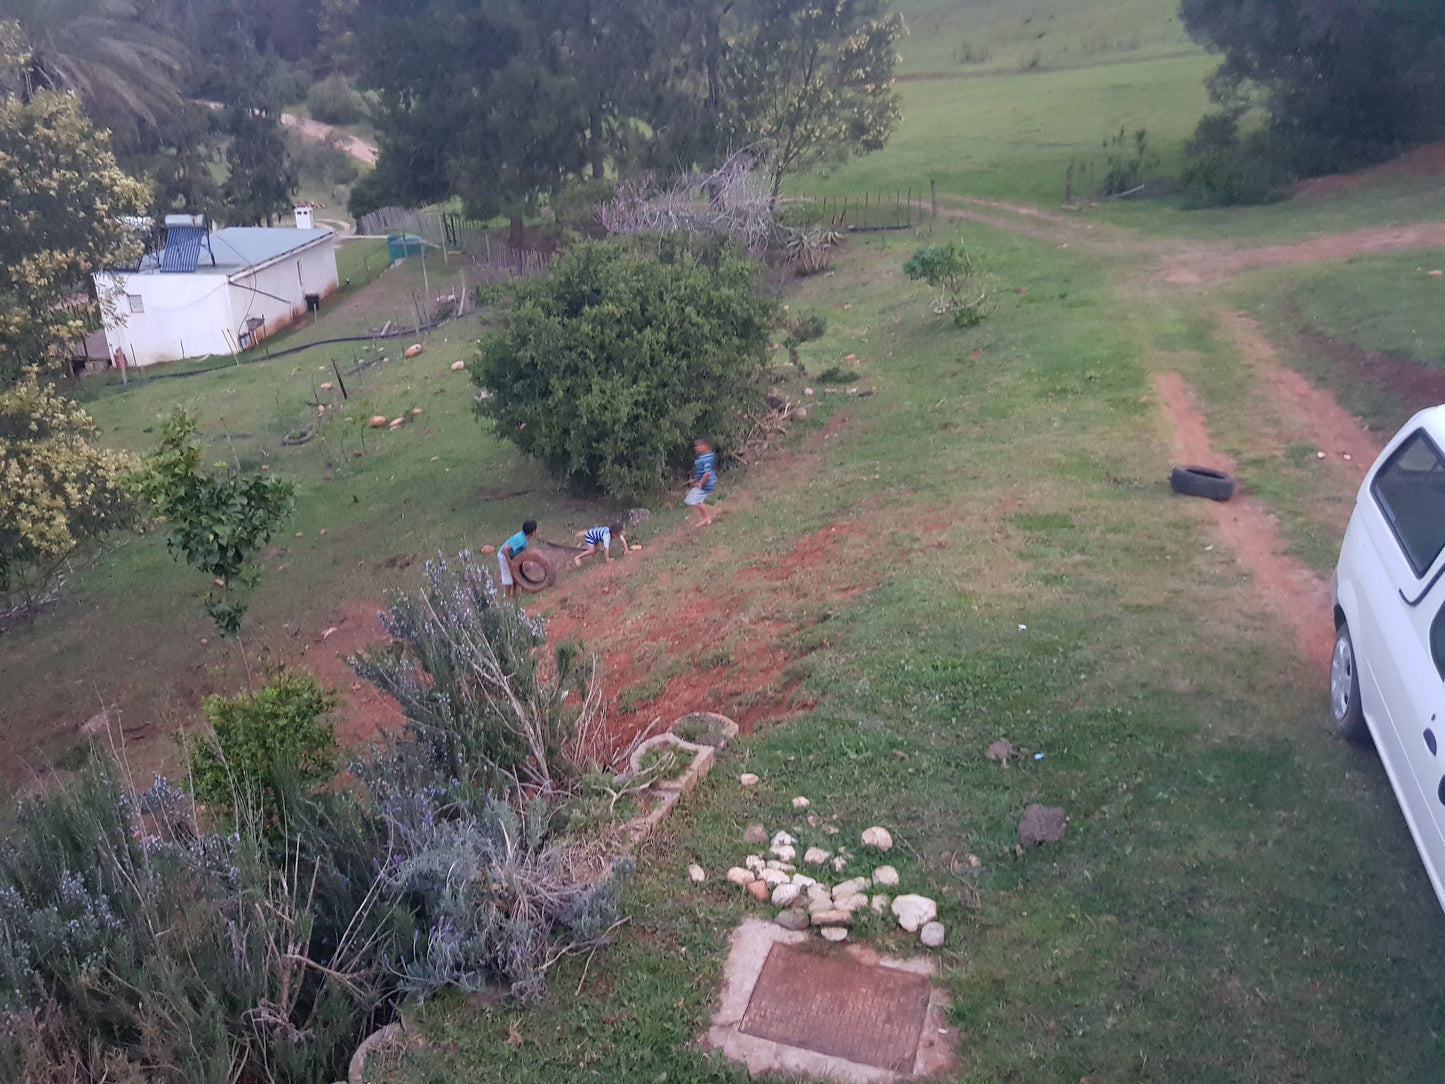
1224, 167
335, 100
613, 362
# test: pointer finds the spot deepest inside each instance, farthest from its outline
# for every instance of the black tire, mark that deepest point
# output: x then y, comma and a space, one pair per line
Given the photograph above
533, 572
1347, 717
1201, 482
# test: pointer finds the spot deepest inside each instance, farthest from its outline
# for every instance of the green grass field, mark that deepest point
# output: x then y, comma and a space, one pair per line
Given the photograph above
1237, 898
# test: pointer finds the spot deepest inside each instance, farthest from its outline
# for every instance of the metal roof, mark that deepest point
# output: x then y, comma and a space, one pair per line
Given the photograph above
236, 248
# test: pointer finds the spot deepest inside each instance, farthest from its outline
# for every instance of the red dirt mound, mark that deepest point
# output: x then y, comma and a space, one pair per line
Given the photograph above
1426, 161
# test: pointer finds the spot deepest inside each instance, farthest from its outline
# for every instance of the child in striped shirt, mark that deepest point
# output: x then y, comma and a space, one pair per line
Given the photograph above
600, 538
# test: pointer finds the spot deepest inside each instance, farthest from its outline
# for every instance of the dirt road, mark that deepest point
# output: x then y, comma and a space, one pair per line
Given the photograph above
354, 146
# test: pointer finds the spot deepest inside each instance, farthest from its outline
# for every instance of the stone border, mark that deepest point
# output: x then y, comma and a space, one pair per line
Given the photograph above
669, 791
387, 1036
750, 944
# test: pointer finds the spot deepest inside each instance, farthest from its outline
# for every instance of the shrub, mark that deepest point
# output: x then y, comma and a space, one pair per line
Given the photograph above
258, 740
480, 706
215, 520
964, 287
1126, 160
612, 363
335, 100
1223, 168
575, 207
58, 490
321, 162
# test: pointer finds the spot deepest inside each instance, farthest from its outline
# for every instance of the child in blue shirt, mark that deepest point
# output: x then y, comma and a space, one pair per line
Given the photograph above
601, 538
704, 480
506, 556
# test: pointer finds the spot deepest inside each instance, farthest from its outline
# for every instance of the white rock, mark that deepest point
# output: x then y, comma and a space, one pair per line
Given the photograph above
850, 887
801, 803
855, 902
792, 920
818, 904
754, 862
886, 876
913, 911
834, 933
816, 856
782, 839
879, 838
748, 779
785, 853
739, 876
831, 918
879, 903
785, 895
773, 877
697, 873
840, 863
818, 892
932, 934
831, 829
802, 880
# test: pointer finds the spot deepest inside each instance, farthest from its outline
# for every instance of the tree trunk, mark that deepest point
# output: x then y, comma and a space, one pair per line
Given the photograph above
594, 145
518, 234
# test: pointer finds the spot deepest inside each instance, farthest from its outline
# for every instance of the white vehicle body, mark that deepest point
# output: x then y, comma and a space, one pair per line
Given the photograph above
1388, 668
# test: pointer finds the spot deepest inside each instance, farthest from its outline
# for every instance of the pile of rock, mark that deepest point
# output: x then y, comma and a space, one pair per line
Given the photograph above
805, 902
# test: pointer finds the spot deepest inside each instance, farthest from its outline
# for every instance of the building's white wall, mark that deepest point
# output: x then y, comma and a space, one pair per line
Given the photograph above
186, 316
278, 292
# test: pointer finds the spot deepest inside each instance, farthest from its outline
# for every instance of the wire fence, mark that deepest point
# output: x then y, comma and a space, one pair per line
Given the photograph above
901, 209
496, 256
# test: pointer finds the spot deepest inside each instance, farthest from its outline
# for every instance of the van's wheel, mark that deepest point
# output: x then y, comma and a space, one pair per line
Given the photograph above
1201, 482
1347, 718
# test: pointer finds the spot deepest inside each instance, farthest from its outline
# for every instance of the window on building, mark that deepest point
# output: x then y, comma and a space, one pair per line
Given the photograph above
136, 302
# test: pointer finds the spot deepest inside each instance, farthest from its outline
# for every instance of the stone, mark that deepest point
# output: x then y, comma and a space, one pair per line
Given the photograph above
458, 366
831, 829
1042, 824
739, 876
839, 863
412, 351
802, 880
878, 904
801, 803
755, 834
416, 412
801, 413
760, 891
697, 873
818, 904
932, 934
792, 920
785, 853
773, 877
748, 779
782, 839
856, 902
816, 856
813, 820
834, 933
327, 386
832, 917
755, 863
785, 895
396, 423
377, 421
912, 912
1437, 273
489, 549
807, 391
886, 876
1000, 752
878, 838
850, 887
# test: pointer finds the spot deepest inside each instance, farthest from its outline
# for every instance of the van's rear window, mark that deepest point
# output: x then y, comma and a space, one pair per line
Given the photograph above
1410, 490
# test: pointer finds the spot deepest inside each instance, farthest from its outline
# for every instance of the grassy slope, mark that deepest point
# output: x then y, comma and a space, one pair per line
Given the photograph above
1237, 898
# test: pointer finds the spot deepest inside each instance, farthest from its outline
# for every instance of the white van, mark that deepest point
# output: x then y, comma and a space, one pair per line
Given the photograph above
1387, 674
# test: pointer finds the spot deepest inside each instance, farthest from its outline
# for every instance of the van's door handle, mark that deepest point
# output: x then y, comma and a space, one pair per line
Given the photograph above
1413, 602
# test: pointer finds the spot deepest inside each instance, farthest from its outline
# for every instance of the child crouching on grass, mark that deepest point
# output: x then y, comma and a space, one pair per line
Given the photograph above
704, 480
601, 538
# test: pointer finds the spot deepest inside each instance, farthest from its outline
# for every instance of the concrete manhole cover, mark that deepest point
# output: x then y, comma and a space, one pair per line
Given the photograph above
791, 1005
835, 1005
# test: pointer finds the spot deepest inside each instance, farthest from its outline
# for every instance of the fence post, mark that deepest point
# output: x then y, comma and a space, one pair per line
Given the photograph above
933, 191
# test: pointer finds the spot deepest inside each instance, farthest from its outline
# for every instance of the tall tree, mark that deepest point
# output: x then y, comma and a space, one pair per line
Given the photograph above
64, 198
811, 81
1343, 81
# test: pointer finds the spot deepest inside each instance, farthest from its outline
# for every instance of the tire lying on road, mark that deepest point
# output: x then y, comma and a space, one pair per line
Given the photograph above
534, 572
1202, 482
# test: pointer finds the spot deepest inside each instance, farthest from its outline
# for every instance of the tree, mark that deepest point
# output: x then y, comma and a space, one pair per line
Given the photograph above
65, 199
1343, 82
215, 520
262, 177
809, 82
612, 364
59, 491
963, 286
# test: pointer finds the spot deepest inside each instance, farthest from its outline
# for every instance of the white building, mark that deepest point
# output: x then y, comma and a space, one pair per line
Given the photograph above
214, 292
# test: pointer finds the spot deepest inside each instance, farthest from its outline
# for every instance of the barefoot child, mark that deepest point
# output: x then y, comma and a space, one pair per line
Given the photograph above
506, 556
704, 480
601, 538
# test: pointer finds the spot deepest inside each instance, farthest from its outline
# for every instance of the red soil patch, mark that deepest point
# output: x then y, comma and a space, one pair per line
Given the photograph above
365, 713
1415, 384
1426, 161
1296, 596
1204, 263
